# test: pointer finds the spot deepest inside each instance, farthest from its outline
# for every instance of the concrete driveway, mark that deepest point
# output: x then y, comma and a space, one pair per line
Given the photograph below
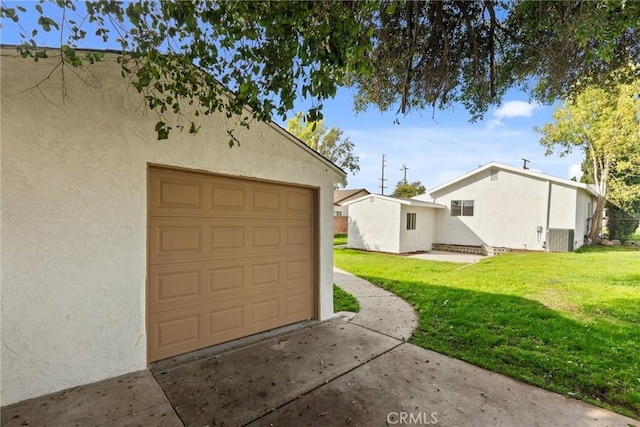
336, 373
359, 373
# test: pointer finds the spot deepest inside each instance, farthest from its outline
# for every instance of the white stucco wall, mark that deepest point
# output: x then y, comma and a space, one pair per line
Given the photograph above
422, 238
507, 212
74, 194
563, 207
374, 228
585, 205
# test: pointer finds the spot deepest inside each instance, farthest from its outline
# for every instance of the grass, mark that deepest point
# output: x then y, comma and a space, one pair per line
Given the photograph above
344, 301
339, 239
566, 322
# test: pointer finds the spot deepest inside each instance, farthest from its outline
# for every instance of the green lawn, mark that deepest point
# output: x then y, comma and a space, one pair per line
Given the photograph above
339, 239
344, 301
566, 322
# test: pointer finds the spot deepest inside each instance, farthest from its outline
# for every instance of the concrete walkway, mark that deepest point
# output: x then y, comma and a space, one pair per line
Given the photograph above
356, 373
448, 256
380, 310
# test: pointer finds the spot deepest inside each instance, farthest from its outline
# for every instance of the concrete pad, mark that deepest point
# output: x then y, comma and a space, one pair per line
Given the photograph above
448, 257
240, 386
133, 399
421, 387
380, 310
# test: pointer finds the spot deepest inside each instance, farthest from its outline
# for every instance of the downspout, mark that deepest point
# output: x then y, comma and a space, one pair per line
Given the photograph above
545, 245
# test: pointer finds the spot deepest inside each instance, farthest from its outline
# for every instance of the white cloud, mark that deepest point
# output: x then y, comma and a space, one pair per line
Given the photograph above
515, 109
511, 109
575, 170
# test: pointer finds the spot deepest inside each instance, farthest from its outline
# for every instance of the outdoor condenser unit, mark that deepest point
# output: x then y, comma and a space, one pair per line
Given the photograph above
560, 240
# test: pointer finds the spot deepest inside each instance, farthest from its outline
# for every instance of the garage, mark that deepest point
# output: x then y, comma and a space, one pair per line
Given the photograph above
228, 258
123, 249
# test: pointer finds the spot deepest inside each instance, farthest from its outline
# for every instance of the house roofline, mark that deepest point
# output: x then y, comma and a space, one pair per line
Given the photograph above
408, 202
356, 191
5, 47
525, 172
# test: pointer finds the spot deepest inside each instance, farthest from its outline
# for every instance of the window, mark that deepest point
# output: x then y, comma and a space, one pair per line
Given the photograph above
462, 208
411, 221
337, 213
494, 174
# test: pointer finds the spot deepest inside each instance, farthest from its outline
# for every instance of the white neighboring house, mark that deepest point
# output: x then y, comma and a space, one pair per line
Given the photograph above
494, 206
120, 250
389, 224
341, 197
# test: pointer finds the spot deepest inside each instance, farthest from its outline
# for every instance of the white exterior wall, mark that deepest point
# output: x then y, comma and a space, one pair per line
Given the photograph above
563, 207
422, 238
74, 218
585, 205
507, 212
374, 225
344, 210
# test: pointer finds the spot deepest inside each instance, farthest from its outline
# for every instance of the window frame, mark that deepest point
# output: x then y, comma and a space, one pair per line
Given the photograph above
411, 220
462, 207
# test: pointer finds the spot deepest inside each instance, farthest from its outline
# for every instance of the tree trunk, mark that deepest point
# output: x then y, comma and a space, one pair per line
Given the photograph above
600, 173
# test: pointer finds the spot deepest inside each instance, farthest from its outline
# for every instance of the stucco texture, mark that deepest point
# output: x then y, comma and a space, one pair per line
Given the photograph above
74, 194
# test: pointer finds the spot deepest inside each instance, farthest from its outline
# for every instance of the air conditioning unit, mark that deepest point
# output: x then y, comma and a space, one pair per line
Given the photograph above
560, 240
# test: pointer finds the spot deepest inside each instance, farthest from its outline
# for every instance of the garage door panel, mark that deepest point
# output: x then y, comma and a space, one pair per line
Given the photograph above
297, 269
227, 258
228, 321
297, 305
176, 192
175, 332
265, 274
228, 237
298, 235
227, 197
178, 285
181, 285
298, 203
174, 239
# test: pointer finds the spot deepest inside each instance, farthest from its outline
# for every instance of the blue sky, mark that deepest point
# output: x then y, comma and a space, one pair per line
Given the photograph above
436, 146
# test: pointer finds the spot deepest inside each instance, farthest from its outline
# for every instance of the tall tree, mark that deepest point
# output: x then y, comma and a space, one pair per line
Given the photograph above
396, 53
329, 143
604, 124
406, 190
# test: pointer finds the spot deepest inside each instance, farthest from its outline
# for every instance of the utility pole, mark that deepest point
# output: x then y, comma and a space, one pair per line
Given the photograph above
404, 168
524, 164
383, 179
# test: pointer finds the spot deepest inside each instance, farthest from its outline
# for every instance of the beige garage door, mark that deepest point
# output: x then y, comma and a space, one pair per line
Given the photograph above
227, 257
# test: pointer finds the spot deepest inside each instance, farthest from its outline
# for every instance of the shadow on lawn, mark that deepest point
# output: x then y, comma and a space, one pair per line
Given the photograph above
597, 361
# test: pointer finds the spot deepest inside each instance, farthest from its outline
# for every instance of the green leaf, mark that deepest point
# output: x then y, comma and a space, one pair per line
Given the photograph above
162, 130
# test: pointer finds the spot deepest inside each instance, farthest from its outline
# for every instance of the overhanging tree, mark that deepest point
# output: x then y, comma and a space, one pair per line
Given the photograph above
190, 53
329, 143
401, 54
602, 123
